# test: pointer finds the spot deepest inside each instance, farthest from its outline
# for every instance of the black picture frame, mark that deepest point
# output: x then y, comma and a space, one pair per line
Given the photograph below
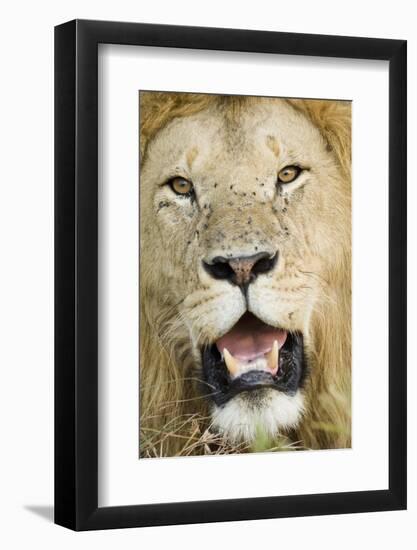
76, 271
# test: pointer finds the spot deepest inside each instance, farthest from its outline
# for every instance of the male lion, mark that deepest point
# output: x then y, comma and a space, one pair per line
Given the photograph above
245, 260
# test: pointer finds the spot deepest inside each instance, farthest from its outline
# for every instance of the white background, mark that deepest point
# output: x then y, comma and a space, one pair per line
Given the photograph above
123, 479
26, 289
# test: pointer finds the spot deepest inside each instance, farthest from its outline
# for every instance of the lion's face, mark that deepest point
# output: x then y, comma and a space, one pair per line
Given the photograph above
237, 206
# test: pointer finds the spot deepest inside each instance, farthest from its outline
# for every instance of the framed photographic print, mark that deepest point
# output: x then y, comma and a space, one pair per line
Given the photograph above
230, 338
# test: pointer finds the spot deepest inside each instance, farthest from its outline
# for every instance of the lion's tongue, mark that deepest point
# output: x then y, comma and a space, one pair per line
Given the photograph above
250, 338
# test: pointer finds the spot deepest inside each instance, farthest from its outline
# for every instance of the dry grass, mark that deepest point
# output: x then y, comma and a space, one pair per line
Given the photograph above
186, 435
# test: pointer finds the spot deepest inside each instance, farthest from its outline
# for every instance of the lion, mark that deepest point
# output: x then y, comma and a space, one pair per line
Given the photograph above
245, 274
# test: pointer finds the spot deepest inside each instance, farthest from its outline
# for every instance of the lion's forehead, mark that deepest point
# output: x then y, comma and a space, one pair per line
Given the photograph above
212, 144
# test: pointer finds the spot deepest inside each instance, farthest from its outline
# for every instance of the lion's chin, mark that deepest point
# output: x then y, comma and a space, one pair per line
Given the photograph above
263, 411
254, 375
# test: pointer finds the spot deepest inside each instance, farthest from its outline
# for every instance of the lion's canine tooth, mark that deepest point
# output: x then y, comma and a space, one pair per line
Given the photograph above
231, 363
272, 357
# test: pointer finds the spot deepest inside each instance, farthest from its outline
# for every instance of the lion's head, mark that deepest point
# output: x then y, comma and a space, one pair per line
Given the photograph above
245, 266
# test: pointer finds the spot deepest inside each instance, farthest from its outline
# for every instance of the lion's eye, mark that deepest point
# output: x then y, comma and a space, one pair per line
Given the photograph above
181, 186
288, 174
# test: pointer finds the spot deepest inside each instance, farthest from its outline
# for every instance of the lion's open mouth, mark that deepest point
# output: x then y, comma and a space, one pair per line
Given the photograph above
253, 355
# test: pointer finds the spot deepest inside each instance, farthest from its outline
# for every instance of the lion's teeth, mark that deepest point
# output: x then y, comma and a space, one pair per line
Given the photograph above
231, 363
266, 363
272, 358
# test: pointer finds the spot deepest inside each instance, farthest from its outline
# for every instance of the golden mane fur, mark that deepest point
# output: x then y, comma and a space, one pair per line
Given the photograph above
168, 420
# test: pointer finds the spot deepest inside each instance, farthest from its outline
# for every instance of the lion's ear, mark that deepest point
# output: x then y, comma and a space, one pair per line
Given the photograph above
333, 119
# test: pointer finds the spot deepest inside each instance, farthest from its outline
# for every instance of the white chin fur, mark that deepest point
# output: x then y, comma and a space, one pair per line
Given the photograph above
241, 419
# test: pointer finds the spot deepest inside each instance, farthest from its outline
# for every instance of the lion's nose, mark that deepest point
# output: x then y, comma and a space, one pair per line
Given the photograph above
241, 270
